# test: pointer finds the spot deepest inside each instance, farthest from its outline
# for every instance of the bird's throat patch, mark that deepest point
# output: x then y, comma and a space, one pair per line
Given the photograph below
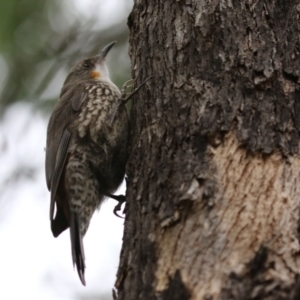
95, 74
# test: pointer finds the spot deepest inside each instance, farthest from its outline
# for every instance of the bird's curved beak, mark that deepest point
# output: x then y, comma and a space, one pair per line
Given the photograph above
106, 49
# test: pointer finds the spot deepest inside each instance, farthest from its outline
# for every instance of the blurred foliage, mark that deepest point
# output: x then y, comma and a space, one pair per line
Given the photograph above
40, 40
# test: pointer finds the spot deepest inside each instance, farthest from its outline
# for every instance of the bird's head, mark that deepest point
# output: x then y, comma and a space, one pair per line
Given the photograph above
93, 68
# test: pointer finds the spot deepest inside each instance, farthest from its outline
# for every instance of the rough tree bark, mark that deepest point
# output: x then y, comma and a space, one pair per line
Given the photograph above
213, 177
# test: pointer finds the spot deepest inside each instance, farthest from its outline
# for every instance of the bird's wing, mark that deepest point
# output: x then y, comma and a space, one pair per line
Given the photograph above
60, 160
59, 134
78, 101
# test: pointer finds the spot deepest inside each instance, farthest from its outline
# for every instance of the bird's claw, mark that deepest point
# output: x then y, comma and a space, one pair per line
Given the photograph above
125, 97
127, 85
118, 208
121, 200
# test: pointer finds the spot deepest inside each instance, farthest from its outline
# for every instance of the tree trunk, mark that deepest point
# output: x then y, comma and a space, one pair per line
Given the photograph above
213, 176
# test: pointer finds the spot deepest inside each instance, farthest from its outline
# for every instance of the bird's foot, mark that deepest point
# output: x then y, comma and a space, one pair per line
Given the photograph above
127, 86
121, 199
125, 99
126, 96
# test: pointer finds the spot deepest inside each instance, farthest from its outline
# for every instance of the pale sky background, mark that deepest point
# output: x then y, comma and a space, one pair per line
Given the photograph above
33, 264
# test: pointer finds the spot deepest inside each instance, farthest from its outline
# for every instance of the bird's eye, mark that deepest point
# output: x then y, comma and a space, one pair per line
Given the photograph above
86, 65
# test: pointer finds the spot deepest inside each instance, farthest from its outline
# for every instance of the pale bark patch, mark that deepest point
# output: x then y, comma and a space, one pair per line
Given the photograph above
256, 205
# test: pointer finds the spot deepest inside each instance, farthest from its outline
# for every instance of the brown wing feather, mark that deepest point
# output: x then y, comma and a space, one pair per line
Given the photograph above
61, 156
62, 217
59, 121
59, 135
78, 101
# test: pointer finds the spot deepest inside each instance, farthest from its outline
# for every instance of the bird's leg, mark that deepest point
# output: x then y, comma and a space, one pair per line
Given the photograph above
124, 98
127, 85
120, 199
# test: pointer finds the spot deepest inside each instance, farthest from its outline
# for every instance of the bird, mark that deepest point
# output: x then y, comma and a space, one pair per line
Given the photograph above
86, 150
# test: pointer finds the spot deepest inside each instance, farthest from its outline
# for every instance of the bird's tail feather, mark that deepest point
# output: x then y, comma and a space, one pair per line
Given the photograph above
77, 246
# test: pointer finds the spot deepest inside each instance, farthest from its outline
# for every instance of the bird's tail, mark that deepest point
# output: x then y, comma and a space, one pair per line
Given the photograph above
77, 246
